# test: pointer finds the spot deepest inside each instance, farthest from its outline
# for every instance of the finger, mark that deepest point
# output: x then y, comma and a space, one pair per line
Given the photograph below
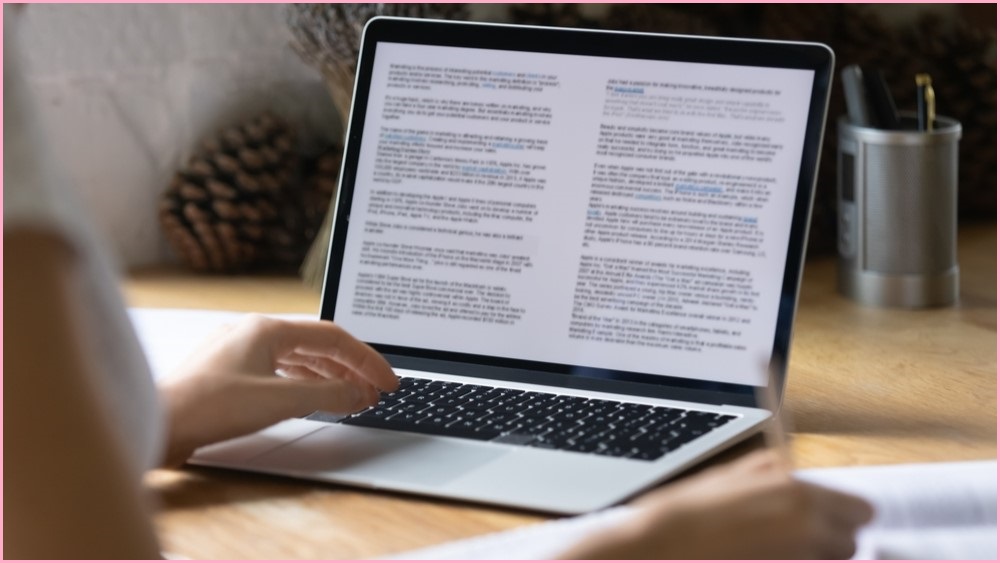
371, 394
811, 537
759, 461
832, 541
323, 338
338, 396
329, 396
322, 368
298, 372
321, 365
756, 465
842, 509
836, 518
709, 480
247, 404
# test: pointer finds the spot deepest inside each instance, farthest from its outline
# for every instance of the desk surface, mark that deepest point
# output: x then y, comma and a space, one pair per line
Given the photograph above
866, 386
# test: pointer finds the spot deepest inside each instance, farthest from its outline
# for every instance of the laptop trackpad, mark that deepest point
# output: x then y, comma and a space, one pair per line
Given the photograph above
366, 455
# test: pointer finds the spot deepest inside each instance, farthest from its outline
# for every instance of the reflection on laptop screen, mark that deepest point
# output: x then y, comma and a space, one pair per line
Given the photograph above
591, 211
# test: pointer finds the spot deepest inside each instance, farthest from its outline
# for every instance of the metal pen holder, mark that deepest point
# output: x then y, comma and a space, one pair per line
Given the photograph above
897, 213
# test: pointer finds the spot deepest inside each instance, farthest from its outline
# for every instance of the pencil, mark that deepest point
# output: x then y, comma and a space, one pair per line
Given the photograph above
925, 102
855, 96
776, 430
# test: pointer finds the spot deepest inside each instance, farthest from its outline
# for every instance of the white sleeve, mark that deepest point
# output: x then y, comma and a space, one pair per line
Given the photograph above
35, 197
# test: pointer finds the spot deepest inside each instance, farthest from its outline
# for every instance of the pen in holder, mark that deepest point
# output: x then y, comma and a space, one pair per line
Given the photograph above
897, 215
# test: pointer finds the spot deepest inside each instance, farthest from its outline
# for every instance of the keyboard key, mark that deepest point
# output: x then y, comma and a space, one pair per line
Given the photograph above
569, 416
435, 385
440, 410
476, 405
408, 416
541, 420
439, 420
451, 399
375, 412
406, 406
447, 431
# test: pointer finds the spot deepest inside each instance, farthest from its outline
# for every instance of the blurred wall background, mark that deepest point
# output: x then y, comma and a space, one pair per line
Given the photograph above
127, 91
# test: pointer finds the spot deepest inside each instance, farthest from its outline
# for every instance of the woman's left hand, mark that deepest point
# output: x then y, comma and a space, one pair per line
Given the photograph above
264, 370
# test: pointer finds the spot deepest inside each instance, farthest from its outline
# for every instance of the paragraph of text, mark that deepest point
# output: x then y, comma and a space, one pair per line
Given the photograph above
394, 296
424, 77
454, 209
397, 107
670, 144
667, 185
672, 228
416, 257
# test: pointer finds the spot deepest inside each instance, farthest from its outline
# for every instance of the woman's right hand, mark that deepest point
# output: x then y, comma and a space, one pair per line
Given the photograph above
749, 509
230, 387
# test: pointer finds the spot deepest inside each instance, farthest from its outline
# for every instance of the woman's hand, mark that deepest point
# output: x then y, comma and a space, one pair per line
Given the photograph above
262, 371
749, 509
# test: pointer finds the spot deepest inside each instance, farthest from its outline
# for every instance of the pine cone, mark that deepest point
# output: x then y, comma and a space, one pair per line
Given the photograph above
321, 187
230, 208
321, 176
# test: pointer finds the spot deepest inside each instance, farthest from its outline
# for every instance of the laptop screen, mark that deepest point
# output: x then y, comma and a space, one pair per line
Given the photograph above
589, 214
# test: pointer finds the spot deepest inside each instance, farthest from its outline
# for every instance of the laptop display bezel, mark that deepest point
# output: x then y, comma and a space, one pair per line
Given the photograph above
809, 56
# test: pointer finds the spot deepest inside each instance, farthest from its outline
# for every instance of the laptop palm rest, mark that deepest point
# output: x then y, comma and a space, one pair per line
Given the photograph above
365, 455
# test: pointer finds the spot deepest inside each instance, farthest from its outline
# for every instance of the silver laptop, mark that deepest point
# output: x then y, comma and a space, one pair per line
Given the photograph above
580, 250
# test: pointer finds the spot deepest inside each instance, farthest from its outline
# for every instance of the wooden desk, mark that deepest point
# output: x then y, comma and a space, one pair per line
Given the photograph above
866, 386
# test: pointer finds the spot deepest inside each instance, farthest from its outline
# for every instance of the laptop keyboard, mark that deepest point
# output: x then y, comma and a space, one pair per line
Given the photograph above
540, 420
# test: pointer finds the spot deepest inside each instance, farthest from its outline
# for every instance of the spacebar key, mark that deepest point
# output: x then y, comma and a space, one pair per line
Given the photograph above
451, 432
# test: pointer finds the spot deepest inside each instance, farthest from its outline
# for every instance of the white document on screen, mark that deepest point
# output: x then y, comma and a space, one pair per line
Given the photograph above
574, 209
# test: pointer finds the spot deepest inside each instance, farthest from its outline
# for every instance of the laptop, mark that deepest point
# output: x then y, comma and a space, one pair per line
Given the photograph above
580, 251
